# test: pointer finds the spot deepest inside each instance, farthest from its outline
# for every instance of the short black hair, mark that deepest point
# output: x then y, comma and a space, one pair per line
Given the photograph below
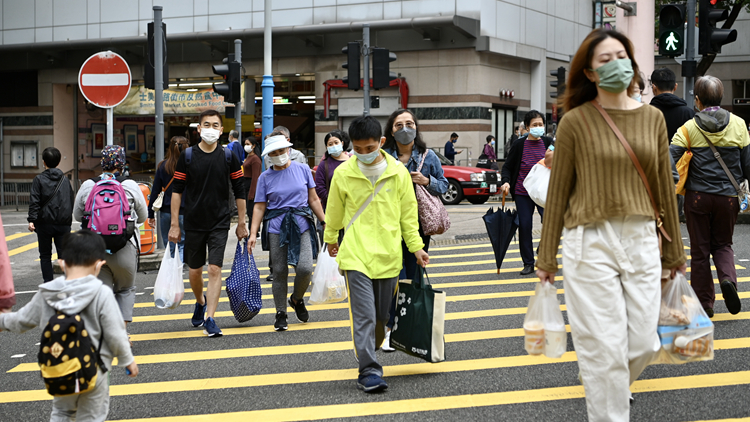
207, 113
454, 135
490, 138
51, 157
531, 115
82, 249
365, 128
664, 79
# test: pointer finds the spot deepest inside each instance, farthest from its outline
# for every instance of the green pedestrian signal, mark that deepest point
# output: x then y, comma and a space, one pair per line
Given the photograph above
671, 29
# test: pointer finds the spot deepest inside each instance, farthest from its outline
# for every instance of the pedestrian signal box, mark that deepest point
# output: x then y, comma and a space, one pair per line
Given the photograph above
671, 29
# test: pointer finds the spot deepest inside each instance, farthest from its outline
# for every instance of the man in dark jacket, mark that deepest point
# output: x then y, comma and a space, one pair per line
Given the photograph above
50, 209
675, 109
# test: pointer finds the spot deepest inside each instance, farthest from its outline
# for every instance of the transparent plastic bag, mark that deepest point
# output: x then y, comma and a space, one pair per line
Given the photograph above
555, 336
533, 323
685, 331
169, 288
328, 284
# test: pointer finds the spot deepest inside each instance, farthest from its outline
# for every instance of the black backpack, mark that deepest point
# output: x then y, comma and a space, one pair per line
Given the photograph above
67, 356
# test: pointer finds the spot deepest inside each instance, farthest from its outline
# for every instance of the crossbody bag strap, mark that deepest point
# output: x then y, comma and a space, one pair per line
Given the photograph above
365, 204
637, 164
164, 189
57, 188
421, 163
721, 161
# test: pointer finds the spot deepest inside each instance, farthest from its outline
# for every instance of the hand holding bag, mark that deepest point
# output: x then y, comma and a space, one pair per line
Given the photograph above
328, 285
432, 213
536, 183
243, 285
420, 319
169, 288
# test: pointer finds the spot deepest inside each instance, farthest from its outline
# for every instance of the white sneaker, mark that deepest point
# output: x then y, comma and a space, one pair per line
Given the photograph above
386, 347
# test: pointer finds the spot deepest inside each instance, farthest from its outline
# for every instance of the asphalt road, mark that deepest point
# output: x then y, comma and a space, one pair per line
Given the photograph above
309, 372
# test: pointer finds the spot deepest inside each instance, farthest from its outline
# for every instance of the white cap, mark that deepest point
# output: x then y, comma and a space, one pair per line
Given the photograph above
275, 142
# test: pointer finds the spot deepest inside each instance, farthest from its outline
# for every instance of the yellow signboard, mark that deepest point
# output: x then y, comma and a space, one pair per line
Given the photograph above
140, 101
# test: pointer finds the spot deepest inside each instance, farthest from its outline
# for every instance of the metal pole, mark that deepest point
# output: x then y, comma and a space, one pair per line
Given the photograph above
110, 124
158, 105
2, 166
238, 104
267, 85
689, 81
366, 66
75, 136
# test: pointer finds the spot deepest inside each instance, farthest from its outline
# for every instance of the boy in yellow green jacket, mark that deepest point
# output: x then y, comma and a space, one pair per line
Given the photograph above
372, 197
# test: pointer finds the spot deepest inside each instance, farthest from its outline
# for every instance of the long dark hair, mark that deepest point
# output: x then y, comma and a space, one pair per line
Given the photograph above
390, 142
254, 142
343, 137
579, 89
176, 145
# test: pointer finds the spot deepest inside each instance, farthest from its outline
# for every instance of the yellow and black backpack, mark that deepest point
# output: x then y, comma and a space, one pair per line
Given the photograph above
67, 356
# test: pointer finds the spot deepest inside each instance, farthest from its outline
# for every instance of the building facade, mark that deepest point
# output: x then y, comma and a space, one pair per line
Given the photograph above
473, 67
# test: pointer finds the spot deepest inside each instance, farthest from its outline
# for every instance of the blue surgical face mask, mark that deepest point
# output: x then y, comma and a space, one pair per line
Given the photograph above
336, 150
638, 98
536, 132
368, 158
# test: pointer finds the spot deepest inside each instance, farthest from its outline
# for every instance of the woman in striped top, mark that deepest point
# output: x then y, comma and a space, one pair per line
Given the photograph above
524, 153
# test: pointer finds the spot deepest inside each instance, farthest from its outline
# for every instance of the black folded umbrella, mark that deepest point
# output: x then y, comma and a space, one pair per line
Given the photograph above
501, 227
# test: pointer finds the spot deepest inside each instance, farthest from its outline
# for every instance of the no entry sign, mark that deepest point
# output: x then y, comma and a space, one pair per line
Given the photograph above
105, 79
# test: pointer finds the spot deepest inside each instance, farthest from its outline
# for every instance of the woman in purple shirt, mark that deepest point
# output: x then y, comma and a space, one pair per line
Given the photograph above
287, 191
524, 153
338, 145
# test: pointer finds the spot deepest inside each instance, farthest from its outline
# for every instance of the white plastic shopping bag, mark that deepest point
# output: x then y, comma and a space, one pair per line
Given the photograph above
169, 288
328, 285
685, 331
544, 326
537, 183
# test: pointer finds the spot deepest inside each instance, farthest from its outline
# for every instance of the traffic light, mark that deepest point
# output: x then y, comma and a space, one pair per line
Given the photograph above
230, 70
148, 69
710, 38
351, 65
381, 73
559, 73
671, 25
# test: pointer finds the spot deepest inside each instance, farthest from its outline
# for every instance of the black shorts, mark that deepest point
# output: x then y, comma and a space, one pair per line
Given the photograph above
196, 243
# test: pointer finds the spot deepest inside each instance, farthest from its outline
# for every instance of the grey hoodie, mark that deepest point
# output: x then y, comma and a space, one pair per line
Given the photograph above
87, 296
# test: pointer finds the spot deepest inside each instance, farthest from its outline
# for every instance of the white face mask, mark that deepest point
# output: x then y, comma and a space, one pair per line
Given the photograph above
279, 160
210, 135
248, 148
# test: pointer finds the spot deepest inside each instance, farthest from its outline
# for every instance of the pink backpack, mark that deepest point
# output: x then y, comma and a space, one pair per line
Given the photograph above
107, 212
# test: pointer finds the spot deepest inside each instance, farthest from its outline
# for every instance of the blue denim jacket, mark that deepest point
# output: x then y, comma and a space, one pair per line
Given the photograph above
290, 233
431, 168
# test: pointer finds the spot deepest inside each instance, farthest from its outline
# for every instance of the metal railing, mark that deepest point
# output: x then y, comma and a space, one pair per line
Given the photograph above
17, 194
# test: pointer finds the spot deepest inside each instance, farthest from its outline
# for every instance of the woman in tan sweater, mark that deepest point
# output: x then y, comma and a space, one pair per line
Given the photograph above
610, 249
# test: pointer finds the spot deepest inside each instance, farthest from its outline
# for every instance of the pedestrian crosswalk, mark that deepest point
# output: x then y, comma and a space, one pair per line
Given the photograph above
253, 373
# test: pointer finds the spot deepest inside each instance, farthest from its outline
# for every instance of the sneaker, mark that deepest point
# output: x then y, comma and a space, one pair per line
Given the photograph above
731, 299
371, 383
280, 324
386, 347
211, 329
709, 312
199, 313
527, 269
300, 311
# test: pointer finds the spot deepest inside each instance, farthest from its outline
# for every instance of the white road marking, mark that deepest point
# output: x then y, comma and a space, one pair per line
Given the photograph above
18, 356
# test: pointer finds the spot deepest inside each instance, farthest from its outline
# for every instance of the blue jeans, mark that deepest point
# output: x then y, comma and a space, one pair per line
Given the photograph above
165, 219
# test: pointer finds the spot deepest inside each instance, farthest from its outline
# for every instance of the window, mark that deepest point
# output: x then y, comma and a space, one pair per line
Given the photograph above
24, 154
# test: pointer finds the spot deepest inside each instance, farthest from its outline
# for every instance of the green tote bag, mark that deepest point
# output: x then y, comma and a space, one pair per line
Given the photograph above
420, 319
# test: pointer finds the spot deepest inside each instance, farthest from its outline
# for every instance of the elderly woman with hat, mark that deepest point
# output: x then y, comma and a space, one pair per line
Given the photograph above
287, 192
121, 267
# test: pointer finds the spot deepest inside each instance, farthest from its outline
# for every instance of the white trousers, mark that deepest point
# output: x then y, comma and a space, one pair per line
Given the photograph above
612, 274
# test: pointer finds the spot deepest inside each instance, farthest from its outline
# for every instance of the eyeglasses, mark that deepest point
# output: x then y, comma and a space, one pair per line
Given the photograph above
400, 126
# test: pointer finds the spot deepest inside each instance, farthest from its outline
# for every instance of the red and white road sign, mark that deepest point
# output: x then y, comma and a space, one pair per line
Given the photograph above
105, 79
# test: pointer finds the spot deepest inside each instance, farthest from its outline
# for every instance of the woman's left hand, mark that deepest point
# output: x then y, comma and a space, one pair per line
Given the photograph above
682, 268
419, 178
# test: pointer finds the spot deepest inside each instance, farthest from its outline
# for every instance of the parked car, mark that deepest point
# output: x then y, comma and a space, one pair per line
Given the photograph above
472, 183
